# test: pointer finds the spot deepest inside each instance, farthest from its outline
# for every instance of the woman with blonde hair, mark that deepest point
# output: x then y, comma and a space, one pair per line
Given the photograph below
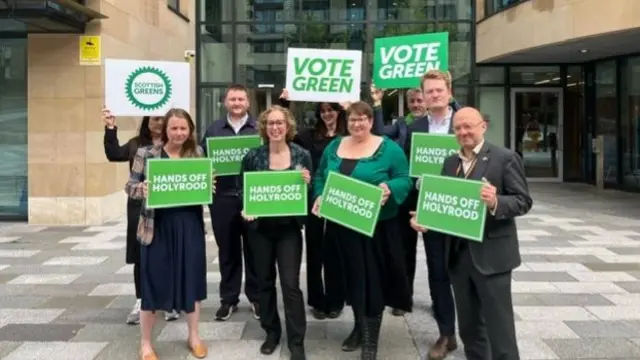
173, 256
278, 240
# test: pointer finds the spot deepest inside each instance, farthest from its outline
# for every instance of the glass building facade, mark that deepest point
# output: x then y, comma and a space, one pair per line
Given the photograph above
246, 42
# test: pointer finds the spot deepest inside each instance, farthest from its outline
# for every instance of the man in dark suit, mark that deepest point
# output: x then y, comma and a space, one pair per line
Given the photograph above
229, 228
480, 272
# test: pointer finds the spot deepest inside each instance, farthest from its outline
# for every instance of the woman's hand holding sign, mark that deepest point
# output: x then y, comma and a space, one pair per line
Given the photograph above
385, 193
315, 210
144, 188
306, 176
414, 223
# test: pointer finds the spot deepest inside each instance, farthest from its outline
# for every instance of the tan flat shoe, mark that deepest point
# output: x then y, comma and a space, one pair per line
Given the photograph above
149, 356
199, 351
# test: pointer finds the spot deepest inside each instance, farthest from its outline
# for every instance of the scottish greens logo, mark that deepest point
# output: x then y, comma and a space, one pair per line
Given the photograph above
148, 88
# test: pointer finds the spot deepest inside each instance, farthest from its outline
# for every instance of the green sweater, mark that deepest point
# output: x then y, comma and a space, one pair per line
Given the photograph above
388, 165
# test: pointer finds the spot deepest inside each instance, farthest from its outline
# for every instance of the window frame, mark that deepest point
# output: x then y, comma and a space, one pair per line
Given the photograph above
177, 9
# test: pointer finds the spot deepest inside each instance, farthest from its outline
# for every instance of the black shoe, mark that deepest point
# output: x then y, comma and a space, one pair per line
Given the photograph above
370, 337
318, 314
298, 354
398, 312
354, 341
334, 314
225, 311
270, 345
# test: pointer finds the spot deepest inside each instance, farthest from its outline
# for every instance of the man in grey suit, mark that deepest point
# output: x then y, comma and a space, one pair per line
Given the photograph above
481, 271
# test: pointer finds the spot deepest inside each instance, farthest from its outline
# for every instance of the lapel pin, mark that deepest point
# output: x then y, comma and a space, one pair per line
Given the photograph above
485, 159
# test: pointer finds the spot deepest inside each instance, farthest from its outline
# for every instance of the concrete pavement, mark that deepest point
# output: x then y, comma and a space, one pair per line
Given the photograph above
65, 292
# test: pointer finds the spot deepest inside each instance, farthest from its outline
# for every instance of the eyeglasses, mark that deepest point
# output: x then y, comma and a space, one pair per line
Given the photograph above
467, 126
277, 123
357, 119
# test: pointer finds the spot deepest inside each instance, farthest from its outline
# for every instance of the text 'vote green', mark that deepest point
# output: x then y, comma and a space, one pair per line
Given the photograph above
323, 75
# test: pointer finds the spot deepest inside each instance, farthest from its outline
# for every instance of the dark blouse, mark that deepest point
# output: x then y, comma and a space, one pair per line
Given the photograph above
116, 153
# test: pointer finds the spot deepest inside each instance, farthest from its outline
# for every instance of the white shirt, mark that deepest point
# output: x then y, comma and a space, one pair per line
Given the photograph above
239, 124
468, 161
443, 126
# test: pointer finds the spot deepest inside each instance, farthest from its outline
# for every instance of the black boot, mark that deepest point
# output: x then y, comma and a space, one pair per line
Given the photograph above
354, 341
370, 337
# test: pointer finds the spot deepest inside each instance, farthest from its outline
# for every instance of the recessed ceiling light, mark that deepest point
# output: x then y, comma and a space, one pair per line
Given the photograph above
583, 51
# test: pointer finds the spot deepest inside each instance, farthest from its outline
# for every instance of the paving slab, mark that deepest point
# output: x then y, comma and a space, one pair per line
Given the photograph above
66, 291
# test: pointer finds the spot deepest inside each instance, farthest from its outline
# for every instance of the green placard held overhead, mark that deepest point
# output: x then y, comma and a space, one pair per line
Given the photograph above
400, 61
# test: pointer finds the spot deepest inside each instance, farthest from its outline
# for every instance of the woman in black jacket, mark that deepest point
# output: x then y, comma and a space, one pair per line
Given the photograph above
150, 133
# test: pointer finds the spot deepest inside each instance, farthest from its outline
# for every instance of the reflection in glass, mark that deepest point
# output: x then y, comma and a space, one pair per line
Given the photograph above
535, 75
212, 107
13, 132
490, 101
573, 145
630, 122
216, 53
537, 130
606, 115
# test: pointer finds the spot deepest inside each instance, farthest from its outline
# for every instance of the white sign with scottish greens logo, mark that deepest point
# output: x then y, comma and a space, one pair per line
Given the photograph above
139, 88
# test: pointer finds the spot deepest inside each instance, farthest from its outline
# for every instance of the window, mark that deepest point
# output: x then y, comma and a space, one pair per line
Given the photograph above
606, 117
216, 53
630, 119
179, 7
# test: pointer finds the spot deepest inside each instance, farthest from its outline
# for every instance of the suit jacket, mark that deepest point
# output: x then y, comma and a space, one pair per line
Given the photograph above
499, 252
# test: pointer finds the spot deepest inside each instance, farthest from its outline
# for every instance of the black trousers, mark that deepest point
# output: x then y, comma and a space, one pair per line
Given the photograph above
485, 311
323, 293
133, 246
281, 247
409, 237
231, 237
443, 304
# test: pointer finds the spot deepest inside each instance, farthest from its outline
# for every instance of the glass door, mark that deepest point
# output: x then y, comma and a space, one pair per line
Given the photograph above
13, 132
536, 131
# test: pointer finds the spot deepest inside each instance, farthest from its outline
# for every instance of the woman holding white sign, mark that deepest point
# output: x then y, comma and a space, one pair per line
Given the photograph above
173, 255
325, 289
374, 266
150, 133
278, 240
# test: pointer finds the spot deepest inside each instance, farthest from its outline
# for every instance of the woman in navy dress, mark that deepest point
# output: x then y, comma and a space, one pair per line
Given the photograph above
173, 255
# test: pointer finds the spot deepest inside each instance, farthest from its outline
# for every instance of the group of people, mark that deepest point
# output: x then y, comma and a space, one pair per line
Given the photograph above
344, 267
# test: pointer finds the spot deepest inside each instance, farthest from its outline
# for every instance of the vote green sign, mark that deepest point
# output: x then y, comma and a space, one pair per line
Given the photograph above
428, 152
274, 193
451, 206
400, 61
226, 152
323, 74
178, 182
351, 203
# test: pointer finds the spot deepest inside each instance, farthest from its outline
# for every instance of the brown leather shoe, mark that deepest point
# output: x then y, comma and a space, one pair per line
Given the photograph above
199, 351
443, 346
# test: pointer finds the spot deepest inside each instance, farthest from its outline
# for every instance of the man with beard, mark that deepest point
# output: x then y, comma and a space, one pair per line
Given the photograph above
228, 226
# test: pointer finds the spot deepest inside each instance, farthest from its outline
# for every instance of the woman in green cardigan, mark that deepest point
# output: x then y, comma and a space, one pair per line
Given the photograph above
374, 267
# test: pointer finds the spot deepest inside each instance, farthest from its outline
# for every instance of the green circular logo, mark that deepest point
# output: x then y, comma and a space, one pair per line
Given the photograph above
148, 88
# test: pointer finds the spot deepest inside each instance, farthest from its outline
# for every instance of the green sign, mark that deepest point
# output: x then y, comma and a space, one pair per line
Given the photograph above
179, 182
400, 61
351, 203
227, 152
451, 205
148, 88
320, 74
274, 193
428, 152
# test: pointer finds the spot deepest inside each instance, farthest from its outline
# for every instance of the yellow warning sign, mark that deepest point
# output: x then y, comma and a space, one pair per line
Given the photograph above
90, 50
